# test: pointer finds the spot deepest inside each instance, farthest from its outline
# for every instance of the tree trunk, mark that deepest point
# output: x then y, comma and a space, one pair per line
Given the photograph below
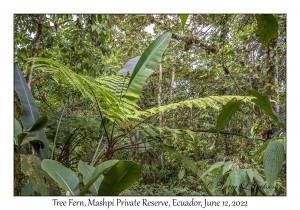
36, 44
160, 114
18, 176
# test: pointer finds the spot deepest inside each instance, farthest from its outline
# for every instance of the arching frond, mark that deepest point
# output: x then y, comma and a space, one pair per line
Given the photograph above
111, 105
203, 103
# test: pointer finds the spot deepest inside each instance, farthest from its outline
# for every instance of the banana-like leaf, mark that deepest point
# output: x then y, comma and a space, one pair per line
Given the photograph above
99, 170
34, 139
87, 172
39, 124
30, 113
226, 114
65, 177
119, 177
273, 160
147, 65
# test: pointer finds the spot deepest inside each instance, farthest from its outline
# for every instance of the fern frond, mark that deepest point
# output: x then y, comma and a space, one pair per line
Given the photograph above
203, 103
112, 107
116, 84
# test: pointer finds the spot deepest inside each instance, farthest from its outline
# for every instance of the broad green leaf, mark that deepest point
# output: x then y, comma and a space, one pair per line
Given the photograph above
34, 139
17, 130
65, 177
273, 160
267, 29
147, 65
235, 181
87, 172
183, 18
119, 177
129, 66
30, 113
39, 124
226, 167
99, 170
216, 165
226, 114
264, 103
259, 182
260, 149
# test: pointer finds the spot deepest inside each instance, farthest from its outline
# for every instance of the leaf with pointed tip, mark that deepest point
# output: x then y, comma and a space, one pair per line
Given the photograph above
183, 18
119, 177
146, 65
65, 177
273, 160
226, 114
39, 124
99, 170
30, 113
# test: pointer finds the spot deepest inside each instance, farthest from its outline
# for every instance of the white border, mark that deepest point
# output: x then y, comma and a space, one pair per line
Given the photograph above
8, 8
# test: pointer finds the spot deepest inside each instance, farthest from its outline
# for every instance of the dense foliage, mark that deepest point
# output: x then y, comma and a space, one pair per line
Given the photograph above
159, 104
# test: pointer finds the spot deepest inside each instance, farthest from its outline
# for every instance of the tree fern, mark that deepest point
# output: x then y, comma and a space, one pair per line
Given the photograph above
104, 95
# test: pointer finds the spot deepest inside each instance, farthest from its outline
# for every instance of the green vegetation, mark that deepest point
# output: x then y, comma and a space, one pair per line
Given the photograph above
150, 104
